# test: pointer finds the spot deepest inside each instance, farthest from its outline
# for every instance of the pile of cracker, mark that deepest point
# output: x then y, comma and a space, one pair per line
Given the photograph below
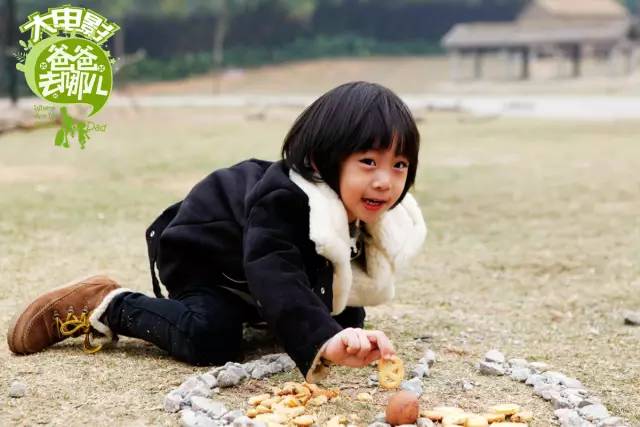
287, 405
504, 415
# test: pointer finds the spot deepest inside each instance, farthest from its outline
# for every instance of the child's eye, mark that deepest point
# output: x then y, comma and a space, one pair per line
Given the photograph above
402, 165
369, 162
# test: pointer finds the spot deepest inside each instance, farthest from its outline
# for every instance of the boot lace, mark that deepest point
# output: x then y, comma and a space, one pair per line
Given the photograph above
75, 326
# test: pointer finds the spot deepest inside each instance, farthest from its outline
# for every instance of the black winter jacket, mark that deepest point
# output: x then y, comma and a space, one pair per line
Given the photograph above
262, 231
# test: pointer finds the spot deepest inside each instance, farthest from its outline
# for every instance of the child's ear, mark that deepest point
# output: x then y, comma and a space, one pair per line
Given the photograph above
313, 165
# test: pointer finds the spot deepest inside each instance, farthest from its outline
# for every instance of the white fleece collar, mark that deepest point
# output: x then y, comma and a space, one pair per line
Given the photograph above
393, 241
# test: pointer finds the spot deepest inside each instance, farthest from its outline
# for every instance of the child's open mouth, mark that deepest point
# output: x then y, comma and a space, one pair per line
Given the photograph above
373, 204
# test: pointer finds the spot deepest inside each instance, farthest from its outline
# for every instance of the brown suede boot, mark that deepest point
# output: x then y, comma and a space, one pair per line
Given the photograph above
70, 310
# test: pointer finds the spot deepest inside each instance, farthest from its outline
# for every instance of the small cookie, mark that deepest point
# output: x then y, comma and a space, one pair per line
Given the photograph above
494, 418
476, 421
303, 420
455, 419
432, 415
522, 417
390, 372
505, 408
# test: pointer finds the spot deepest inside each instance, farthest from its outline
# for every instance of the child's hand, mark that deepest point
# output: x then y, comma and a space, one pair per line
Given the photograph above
355, 347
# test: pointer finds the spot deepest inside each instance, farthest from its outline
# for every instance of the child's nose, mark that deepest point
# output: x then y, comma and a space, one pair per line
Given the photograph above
381, 181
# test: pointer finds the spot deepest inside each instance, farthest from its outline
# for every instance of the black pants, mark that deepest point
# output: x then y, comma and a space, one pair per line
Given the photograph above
200, 326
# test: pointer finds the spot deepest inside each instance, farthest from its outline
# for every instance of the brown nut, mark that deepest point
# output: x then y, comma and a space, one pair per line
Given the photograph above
403, 408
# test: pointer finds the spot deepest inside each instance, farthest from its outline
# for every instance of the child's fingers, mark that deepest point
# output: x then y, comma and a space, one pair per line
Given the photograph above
365, 344
383, 343
350, 340
373, 355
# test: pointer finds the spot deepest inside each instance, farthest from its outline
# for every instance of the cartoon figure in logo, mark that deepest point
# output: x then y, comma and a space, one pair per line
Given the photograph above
69, 126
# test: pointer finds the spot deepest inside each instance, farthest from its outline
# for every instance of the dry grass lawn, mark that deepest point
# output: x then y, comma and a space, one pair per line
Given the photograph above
533, 249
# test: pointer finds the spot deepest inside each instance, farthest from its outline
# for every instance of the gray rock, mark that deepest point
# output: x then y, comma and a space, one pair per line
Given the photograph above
212, 408
173, 401
379, 424
380, 417
275, 367
545, 390
372, 380
191, 418
194, 386
518, 363
429, 357
558, 400
574, 399
539, 367
237, 369
286, 362
209, 380
575, 391
494, 356
414, 385
591, 400
534, 379
553, 377
594, 412
17, 389
612, 422
424, 422
215, 371
420, 370
231, 416
245, 421
249, 366
520, 374
490, 368
467, 386
571, 382
632, 318
570, 418
228, 378
260, 371
268, 358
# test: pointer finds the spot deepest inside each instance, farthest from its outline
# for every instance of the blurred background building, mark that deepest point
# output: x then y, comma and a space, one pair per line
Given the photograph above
558, 29
489, 39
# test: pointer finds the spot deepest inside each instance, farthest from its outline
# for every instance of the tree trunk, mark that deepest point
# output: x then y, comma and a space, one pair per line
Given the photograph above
119, 51
9, 42
219, 34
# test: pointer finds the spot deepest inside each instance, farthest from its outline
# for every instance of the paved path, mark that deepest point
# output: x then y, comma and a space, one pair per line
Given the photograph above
540, 106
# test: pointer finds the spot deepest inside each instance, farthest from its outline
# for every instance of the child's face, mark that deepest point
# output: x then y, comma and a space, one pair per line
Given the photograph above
371, 182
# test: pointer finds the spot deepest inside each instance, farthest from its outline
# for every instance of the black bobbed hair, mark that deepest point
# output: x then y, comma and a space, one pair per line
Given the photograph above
350, 118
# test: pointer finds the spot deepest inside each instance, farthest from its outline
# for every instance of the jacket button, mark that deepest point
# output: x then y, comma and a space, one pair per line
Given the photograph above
152, 233
258, 303
322, 291
327, 263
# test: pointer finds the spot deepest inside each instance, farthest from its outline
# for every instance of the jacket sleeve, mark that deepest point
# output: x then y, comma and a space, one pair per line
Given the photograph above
276, 274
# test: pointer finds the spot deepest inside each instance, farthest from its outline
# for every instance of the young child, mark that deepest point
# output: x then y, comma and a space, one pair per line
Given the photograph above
303, 244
